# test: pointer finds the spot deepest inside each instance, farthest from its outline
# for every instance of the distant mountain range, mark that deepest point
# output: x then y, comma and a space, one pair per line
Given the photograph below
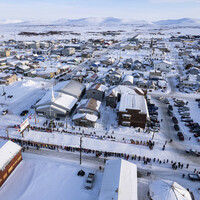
99, 21
106, 21
179, 22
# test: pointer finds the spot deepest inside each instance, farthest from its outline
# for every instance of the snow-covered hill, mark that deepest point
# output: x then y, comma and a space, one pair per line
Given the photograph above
99, 21
2, 22
179, 22
105, 21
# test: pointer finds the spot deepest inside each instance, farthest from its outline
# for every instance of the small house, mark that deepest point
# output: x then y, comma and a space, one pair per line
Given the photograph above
87, 112
96, 91
7, 79
162, 65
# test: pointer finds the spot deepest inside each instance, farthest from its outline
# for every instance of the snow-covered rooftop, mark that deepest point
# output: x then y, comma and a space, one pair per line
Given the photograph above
165, 190
128, 78
117, 174
89, 117
134, 102
8, 151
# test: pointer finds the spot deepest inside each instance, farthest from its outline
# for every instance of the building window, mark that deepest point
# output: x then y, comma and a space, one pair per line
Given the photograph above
125, 116
5, 175
40, 113
60, 115
10, 169
126, 123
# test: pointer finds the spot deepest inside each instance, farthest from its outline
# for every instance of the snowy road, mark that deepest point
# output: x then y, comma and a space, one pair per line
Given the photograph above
72, 157
174, 92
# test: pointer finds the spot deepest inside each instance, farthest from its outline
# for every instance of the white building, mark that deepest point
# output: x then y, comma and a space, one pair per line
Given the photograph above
162, 65
119, 181
128, 80
62, 101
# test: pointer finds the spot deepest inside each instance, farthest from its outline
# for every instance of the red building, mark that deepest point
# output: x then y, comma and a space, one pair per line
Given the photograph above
10, 157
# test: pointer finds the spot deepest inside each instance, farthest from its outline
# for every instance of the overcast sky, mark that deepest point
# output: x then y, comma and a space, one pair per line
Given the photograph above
72, 9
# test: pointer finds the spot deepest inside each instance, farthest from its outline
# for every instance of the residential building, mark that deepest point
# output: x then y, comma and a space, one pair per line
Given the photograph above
132, 110
87, 112
7, 79
4, 53
10, 154
162, 65
96, 91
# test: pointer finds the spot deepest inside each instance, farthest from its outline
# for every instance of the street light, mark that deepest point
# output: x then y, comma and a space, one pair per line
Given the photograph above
81, 140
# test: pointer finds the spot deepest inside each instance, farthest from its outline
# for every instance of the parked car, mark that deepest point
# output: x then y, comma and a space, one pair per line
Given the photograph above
180, 135
170, 107
175, 120
185, 116
154, 119
170, 113
4, 112
166, 101
197, 134
24, 112
90, 181
176, 127
184, 109
153, 113
191, 124
198, 100
184, 113
194, 177
195, 129
157, 125
188, 119
178, 105
192, 152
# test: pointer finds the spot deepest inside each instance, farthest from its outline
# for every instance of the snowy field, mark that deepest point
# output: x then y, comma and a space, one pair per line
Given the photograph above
39, 177
12, 31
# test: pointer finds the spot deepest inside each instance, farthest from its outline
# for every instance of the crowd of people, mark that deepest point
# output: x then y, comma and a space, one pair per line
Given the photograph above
104, 154
91, 135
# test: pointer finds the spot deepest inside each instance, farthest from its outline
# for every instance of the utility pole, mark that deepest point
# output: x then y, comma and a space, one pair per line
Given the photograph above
7, 133
80, 149
66, 121
153, 135
4, 92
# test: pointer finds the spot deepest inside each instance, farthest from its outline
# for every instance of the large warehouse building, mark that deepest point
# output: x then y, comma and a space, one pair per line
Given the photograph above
10, 157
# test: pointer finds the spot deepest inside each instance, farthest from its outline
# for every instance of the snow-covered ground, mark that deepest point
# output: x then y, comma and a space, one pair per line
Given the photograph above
55, 177
39, 177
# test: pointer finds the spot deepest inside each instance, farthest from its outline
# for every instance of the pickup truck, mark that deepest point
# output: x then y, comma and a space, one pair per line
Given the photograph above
194, 177
90, 181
